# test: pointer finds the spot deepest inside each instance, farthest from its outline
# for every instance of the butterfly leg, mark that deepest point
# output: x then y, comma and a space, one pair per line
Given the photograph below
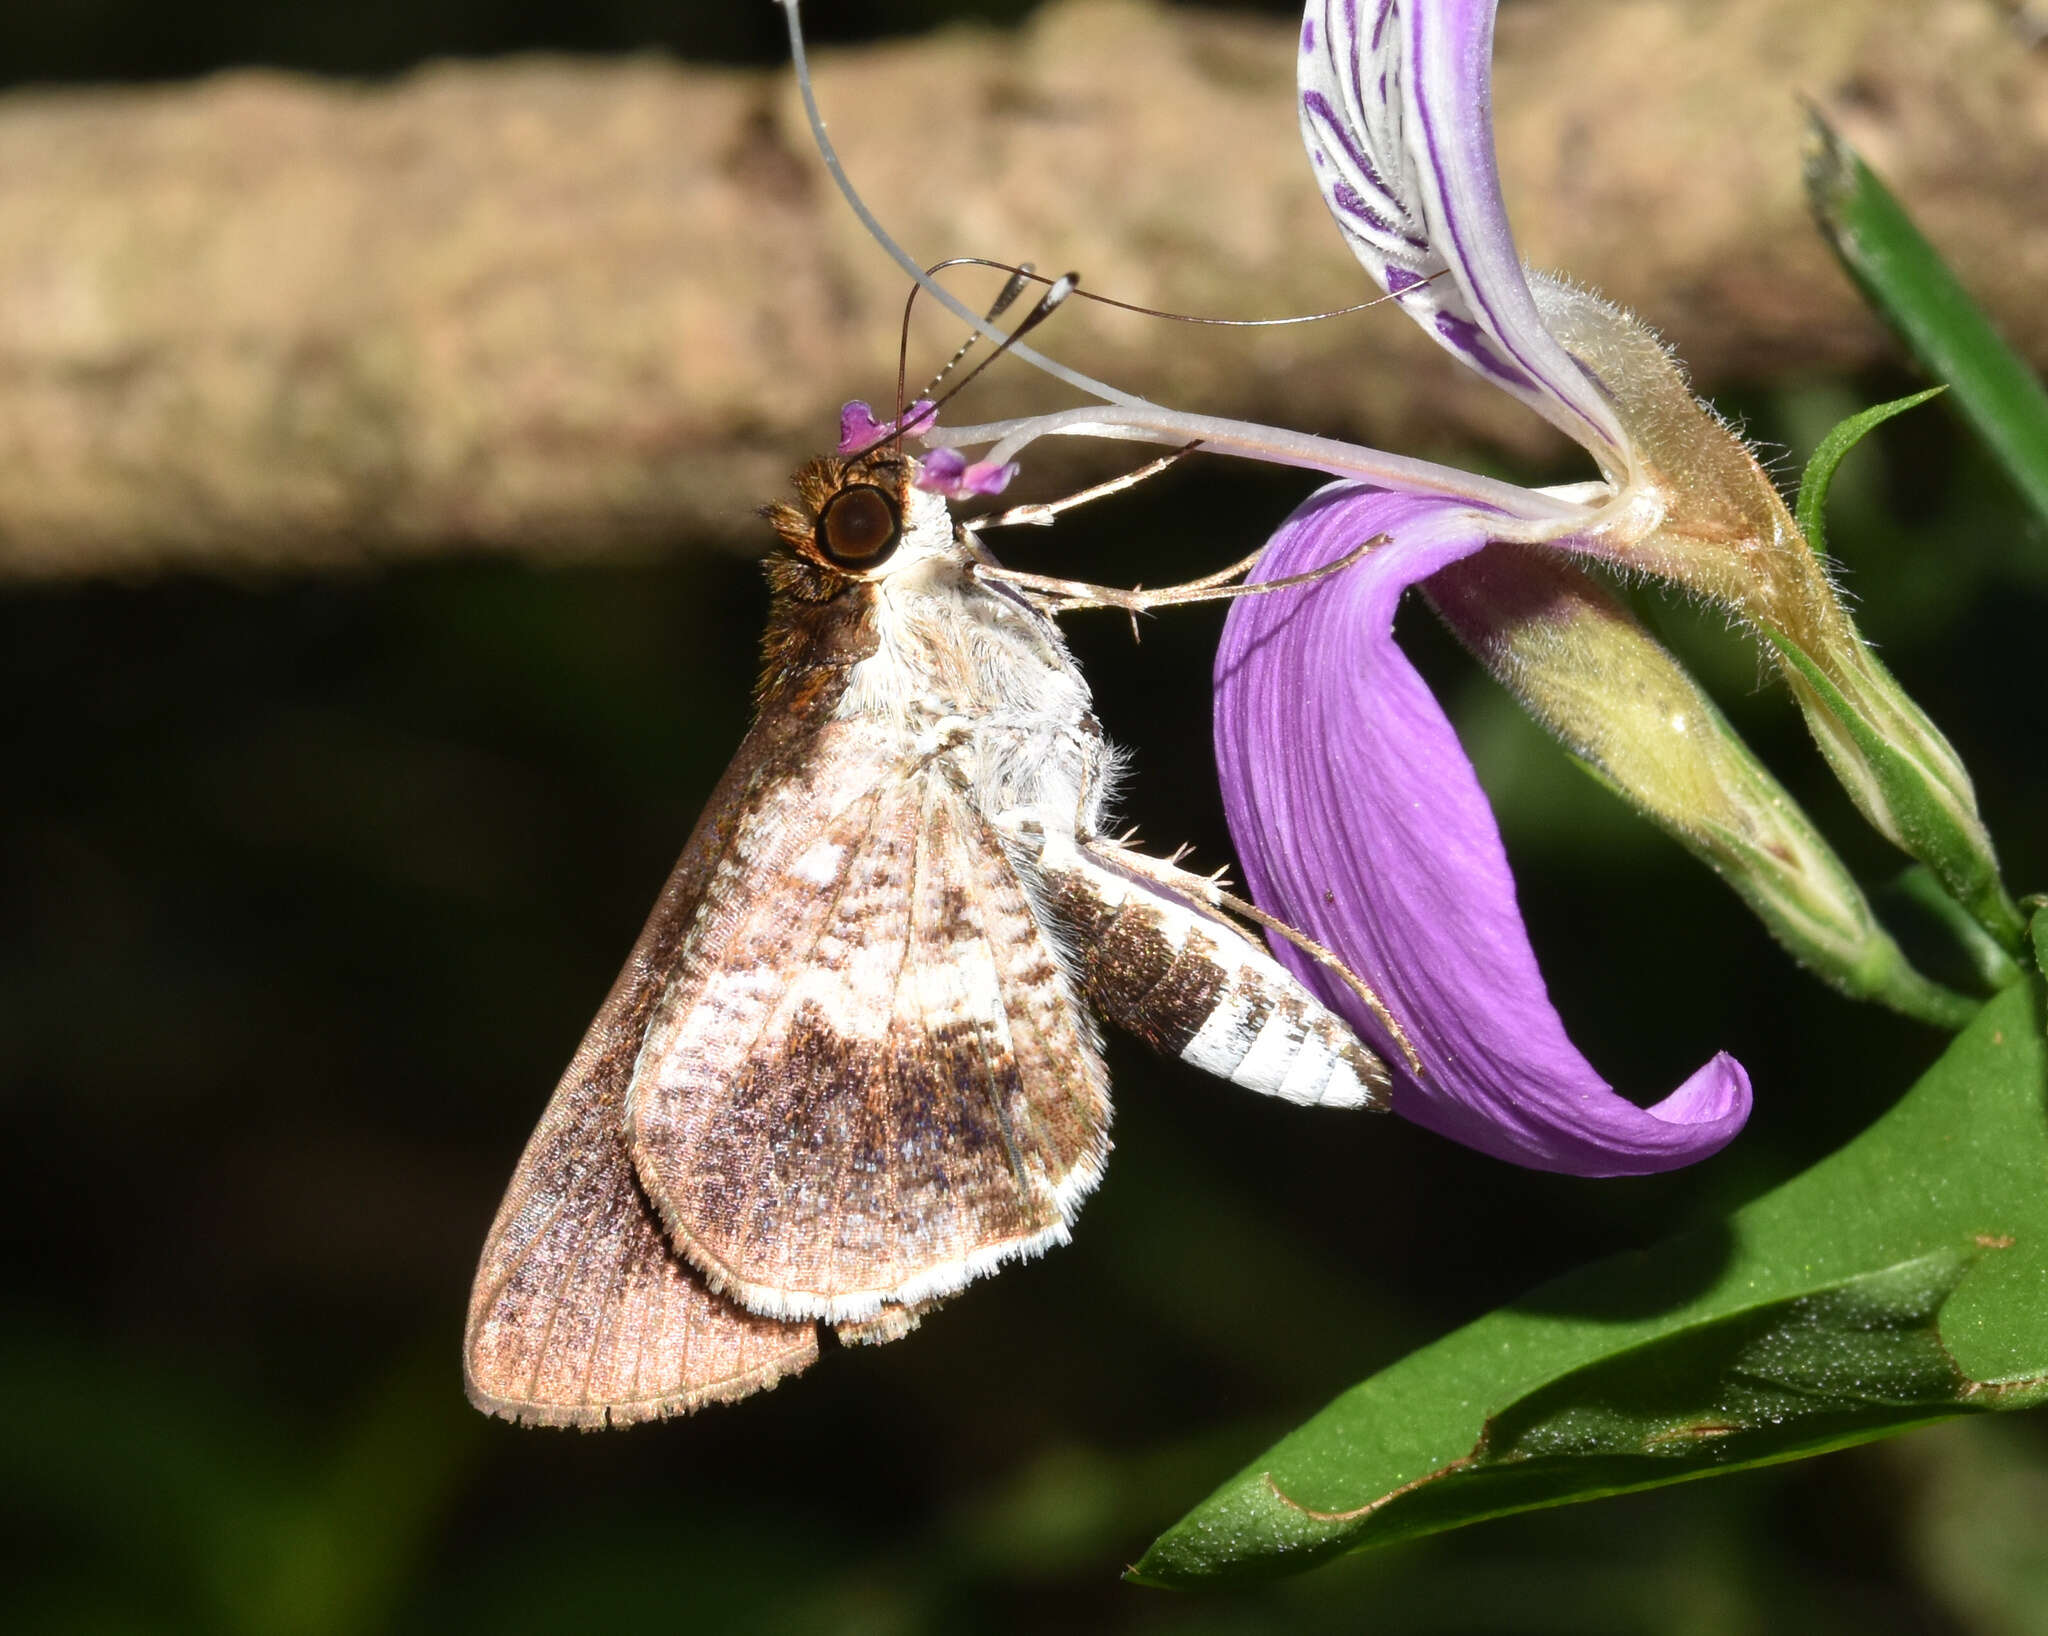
1156, 961
1042, 513
1071, 595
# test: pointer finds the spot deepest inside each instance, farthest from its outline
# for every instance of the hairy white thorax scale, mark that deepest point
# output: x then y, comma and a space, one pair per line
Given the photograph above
977, 677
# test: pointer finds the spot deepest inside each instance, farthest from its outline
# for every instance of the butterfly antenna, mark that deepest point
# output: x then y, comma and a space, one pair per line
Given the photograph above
1021, 273
1100, 390
1019, 278
1255, 323
1057, 291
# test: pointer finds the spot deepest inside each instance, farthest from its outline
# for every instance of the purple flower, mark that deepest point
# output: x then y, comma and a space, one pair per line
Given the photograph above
1357, 816
1395, 106
1358, 819
1356, 813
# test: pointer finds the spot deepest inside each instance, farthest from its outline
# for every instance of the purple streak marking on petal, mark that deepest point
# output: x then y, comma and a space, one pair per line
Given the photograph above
1308, 34
1443, 158
1358, 819
1470, 340
1448, 52
1340, 34
1607, 394
1354, 62
1345, 197
1379, 28
1400, 279
1319, 105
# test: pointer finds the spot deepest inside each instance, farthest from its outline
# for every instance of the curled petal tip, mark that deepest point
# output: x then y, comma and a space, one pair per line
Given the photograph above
1717, 1096
1694, 1122
1577, 1125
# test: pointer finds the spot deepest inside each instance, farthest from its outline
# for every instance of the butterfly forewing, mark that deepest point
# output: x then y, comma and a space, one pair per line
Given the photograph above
582, 1314
585, 1317
875, 1083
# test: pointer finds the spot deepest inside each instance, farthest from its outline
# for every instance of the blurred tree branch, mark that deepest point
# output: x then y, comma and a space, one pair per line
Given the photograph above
571, 307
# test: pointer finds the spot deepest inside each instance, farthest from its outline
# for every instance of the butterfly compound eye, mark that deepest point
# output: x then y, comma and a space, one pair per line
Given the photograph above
859, 526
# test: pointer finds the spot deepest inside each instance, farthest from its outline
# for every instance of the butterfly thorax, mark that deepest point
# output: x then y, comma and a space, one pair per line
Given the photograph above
971, 677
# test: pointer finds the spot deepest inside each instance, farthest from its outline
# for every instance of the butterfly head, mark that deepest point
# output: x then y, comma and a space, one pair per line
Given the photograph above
860, 520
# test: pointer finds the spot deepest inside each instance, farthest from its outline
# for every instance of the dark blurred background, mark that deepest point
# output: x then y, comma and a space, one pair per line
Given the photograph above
311, 886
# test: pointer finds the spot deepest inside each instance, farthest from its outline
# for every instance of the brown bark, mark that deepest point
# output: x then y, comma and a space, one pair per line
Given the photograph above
573, 307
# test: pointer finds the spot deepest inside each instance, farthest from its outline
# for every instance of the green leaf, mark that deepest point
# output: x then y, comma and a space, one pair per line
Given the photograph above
1812, 504
1904, 1279
1902, 276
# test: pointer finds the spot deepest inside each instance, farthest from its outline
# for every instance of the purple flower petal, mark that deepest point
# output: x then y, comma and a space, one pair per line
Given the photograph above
859, 430
1358, 819
947, 472
987, 477
940, 469
1396, 110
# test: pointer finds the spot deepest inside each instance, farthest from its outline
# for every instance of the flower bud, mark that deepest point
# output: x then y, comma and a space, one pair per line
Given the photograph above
1901, 773
1625, 706
1696, 508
